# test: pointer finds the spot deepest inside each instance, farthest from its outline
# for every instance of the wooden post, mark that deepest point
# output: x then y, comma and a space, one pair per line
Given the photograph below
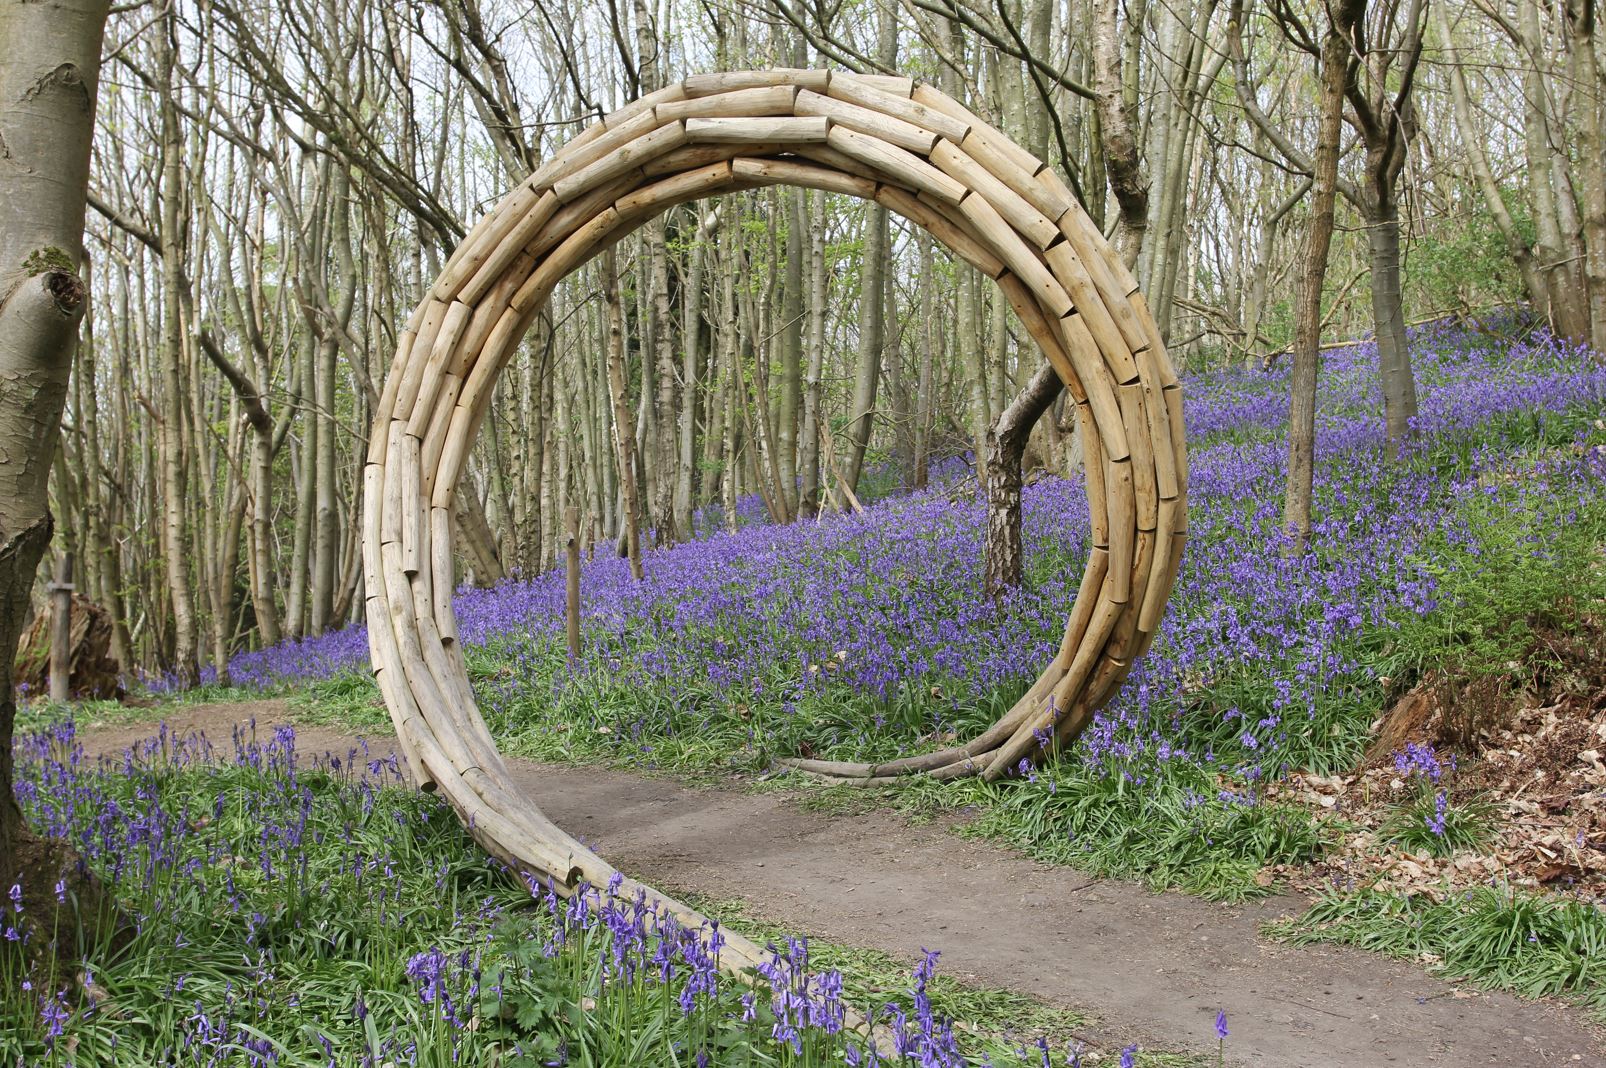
61, 630
571, 613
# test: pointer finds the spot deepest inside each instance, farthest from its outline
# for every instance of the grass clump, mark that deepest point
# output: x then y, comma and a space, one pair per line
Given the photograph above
1502, 937
1432, 824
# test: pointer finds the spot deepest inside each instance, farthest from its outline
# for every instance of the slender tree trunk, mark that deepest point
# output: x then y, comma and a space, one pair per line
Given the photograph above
1547, 167
624, 431
872, 297
1517, 243
175, 538
1335, 66
302, 468
809, 447
1590, 87
1117, 132
1006, 446
791, 339
1388, 315
872, 338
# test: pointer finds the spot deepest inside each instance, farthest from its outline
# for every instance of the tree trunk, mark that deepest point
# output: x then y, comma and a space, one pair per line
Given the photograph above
624, 430
872, 338
1547, 168
1335, 66
1006, 446
1117, 133
1590, 99
1517, 243
809, 448
175, 539
1388, 315
48, 80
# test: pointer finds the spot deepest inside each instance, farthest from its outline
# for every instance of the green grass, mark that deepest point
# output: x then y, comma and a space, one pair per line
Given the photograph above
1502, 938
1422, 826
288, 909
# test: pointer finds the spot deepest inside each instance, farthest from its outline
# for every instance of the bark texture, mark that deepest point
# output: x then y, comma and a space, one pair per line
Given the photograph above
49, 74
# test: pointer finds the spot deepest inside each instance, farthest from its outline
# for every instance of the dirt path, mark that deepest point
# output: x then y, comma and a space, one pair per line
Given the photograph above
1151, 967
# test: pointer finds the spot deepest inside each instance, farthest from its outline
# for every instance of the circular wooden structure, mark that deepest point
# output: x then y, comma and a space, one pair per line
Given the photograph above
903, 145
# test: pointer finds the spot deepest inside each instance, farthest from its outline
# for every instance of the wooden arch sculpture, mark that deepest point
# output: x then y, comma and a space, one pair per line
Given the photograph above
906, 146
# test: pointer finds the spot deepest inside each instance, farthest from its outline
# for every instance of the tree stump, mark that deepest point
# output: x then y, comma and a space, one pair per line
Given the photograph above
92, 673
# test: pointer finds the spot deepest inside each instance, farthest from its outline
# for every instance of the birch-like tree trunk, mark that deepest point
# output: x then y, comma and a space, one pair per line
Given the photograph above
49, 75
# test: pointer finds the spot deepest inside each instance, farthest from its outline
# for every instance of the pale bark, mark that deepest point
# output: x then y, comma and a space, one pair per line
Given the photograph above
624, 431
48, 82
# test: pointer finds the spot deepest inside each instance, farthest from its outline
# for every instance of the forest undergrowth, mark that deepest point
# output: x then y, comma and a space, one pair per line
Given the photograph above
288, 909
867, 636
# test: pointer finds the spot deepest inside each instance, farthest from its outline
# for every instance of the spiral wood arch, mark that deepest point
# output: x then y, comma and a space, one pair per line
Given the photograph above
904, 145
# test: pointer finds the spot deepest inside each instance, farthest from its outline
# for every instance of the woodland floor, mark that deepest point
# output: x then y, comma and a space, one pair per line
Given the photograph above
1151, 968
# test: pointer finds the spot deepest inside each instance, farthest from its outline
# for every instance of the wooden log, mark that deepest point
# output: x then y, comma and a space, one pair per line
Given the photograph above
892, 84
1099, 384
935, 219
441, 563
1093, 461
865, 94
900, 167
1014, 208
435, 367
694, 156
1096, 317
471, 252
377, 443
434, 439
809, 129
1123, 527
1142, 445
936, 100
583, 151
412, 507
1159, 423
745, 103
1037, 325
1123, 639
1003, 165
510, 248
804, 175
627, 157
871, 123
1158, 589
827, 156
657, 197
412, 372
730, 81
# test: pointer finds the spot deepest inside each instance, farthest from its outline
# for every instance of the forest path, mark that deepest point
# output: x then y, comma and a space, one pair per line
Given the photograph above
1151, 968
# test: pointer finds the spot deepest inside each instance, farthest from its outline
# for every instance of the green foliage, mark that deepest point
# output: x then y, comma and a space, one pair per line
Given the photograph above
1164, 825
1500, 937
1430, 823
318, 916
1462, 262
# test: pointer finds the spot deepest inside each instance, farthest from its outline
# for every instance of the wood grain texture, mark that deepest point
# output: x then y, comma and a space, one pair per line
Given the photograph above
906, 146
